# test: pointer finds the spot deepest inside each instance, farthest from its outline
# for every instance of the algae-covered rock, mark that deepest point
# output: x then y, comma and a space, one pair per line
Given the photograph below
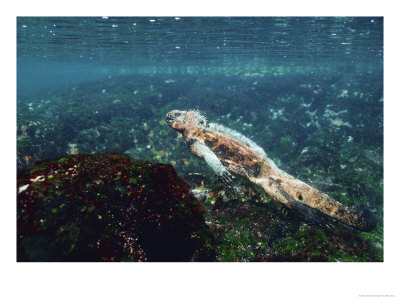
108, 207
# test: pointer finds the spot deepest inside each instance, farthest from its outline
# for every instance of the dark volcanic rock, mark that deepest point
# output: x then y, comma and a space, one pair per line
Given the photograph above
108, 207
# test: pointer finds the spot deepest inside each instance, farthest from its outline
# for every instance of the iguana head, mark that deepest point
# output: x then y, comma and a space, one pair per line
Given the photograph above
181, 119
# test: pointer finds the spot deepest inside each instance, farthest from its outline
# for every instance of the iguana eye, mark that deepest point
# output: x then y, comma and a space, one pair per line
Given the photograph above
177, 114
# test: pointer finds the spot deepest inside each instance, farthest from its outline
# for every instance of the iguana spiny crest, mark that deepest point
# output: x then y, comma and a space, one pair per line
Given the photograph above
227, 151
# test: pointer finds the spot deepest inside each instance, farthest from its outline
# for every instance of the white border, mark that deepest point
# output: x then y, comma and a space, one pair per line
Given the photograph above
197, 281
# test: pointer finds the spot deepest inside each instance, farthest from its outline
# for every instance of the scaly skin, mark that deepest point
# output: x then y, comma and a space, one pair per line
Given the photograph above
227, 151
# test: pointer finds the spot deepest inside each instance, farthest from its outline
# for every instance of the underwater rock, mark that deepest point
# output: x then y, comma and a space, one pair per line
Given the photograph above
108, 207
82, 114
246, 231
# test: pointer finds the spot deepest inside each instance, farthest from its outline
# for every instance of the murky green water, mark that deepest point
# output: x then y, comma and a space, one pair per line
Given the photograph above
309, 91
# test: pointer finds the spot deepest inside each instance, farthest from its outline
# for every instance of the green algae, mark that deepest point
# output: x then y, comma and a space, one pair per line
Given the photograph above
275, 237
78, 210
302, 140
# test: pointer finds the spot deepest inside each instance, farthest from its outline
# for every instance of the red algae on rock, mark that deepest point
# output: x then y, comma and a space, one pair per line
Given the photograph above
108, 207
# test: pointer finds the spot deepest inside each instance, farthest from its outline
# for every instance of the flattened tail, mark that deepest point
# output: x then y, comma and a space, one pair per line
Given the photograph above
298, 195
362, 220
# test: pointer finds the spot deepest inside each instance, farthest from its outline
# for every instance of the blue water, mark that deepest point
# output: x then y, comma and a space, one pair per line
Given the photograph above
309, 91
58, 51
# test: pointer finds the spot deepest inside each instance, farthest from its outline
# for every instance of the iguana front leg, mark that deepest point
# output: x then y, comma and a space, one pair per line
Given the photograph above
201, 150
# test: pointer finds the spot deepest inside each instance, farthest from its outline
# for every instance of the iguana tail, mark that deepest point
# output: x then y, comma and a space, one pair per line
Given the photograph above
293, 193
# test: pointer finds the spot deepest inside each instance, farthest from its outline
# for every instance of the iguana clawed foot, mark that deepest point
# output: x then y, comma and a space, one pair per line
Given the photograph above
226, 177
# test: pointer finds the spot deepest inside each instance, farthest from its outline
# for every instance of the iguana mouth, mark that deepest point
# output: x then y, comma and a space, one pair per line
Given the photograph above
226, 150
169, 119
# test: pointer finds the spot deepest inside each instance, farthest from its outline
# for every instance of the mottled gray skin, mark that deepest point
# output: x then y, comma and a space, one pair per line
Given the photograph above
228, 152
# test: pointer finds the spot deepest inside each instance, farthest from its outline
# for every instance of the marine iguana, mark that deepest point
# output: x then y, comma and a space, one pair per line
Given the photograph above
227, 151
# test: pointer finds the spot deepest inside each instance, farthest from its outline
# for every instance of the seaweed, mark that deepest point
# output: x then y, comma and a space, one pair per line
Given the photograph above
108, 207
330, 137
